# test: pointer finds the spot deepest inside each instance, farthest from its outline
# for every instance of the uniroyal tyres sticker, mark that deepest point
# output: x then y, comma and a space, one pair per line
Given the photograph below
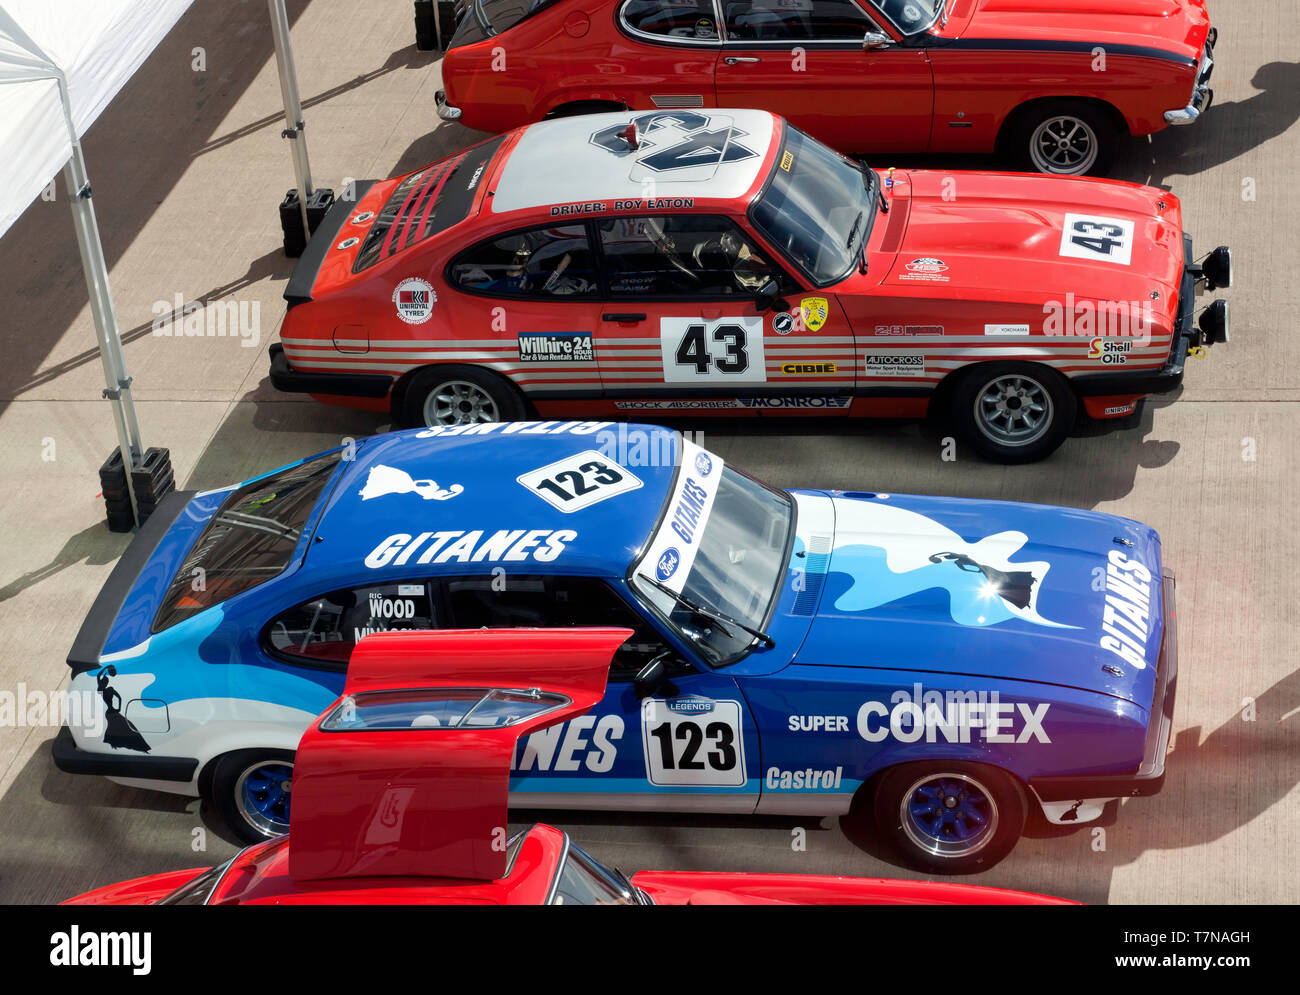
672, 553
414, 299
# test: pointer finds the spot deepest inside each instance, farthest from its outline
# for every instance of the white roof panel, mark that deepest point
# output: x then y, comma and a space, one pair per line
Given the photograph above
680, 153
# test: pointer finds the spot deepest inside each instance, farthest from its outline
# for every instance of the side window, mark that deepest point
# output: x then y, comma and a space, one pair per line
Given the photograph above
672, 18
795, 20
683, 255
323, 631
555, 261
554, 602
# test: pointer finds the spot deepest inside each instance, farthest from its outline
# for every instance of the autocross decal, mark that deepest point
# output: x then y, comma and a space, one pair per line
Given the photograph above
677, 140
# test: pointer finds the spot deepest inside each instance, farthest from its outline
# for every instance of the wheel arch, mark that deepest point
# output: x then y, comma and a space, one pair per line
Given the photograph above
1013, 118
397, 396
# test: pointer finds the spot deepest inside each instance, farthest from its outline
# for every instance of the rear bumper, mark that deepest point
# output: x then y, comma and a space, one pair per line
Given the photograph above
285, 378
71, 759
1149, 778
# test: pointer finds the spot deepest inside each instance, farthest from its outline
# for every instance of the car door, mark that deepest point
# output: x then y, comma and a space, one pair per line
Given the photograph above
806, 60
680, 327
525, 304
691, 746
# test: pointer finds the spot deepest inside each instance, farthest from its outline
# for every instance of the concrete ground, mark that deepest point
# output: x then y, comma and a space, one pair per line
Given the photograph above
188, 167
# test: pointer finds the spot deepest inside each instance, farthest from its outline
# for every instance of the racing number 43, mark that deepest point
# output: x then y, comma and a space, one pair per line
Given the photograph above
698, 350
1105, 239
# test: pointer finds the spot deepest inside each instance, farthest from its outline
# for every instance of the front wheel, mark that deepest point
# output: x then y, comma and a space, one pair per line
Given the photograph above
1013, 412
458, 396
950, 817
1064, 138
251, 790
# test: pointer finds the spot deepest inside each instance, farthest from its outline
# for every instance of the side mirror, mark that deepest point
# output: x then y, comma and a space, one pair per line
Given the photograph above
653, 678
876, 39
769, 297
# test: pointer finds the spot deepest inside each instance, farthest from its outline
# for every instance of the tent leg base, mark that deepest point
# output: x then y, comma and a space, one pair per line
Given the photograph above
319, 203
151, 480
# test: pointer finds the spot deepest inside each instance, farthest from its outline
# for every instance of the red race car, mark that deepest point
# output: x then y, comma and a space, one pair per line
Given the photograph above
400, 796
681, 262
1053, 86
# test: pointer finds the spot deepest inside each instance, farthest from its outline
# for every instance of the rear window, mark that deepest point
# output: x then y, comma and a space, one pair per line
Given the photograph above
487, 18
250, 539
426, 203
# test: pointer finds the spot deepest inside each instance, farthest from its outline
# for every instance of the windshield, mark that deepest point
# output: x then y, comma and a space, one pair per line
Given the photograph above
486, 18
583, 881
722, 546
250, 539
818, 207
910, 17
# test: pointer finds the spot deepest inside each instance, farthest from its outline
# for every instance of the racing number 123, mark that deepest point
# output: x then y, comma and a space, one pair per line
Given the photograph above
601, 474
722, 740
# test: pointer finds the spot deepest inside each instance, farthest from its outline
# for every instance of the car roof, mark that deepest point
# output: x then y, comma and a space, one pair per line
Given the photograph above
399, 487
560, 162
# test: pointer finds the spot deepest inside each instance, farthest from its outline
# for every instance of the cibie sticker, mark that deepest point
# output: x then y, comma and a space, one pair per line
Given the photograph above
691, 740
579, 481
1107, 239
672, 551
414, 299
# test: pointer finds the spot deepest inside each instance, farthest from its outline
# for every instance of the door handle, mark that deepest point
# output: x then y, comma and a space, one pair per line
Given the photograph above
623, 317
731, 60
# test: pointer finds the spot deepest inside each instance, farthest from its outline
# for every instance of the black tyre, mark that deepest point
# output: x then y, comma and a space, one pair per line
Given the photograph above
458, 395
1064, 138
950, 817
251, 790
1013, 412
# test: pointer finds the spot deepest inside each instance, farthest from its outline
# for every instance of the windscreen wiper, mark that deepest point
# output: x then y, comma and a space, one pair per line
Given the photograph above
709, 613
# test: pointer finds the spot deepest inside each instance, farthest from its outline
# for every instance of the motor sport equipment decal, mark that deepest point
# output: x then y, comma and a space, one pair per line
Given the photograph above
478, 546
893, 364
699, 350
556, 347
890, 553
672, 552
414, 299
1107, 239
1126, 619
693, 741
389, 480
579, 481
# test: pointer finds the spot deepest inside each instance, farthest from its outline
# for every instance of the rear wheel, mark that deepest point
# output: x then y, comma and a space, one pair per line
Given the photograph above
950, 817
1013, 412
1063, 137
458, 396
251, 790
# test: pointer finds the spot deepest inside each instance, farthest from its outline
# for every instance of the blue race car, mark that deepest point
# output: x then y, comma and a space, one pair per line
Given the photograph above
948, 665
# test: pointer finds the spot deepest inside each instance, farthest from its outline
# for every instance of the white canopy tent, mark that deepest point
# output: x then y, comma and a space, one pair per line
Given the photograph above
61, 63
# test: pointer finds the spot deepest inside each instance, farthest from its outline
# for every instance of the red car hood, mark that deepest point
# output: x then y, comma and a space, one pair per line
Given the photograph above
998, 237
1175, 26
704, 888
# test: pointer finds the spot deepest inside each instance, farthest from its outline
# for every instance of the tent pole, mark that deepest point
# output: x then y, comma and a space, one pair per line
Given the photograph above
295, 128
95, 268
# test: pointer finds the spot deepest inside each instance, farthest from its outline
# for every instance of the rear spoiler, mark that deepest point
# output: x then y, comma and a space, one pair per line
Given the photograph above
93, 634
303, 277
408, 773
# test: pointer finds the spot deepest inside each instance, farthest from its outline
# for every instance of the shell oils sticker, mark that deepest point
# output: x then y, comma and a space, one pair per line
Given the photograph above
815, 312
414, 299
1112, 352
